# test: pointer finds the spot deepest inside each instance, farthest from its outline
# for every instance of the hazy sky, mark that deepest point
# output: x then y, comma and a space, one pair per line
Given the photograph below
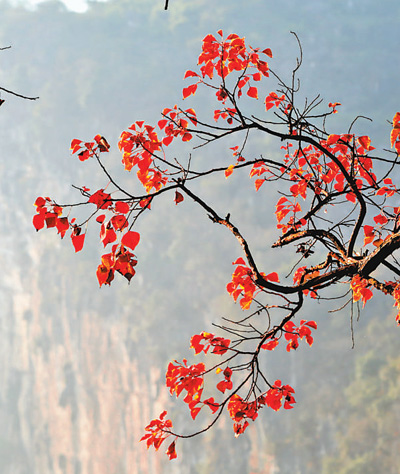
74, 5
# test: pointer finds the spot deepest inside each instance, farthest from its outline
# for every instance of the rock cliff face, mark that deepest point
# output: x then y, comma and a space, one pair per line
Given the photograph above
73, 400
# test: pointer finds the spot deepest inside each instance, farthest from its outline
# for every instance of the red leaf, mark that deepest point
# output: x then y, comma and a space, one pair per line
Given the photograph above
270, 346
187, 91
62, 225
268, 52
167, 140
122, 207
178, 197
272, 277
75, 145
365, 142
312, 324
190, 74
229, 171
77, 241
253, 92
258, 183
170, 452
130, 239
40, 202
101, 199
38, 221
380, 219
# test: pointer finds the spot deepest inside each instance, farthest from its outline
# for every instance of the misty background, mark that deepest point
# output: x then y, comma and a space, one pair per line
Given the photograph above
82, 368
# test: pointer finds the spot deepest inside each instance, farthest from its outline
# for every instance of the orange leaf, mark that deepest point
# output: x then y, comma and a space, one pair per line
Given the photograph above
258, 183
229, 171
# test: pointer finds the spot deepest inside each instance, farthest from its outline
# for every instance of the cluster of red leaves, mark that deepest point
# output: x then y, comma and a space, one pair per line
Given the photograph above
272, 100
258, 169
176, 123
158, 431
49, 214
239, 159
243, 283
344, 168
359, 287
357, 164
241, 410
389, 189
86, 150
138, 147
219, 344
301, 275
221, 57
293, 333
225, 384
284, 207
190, 379
120, 259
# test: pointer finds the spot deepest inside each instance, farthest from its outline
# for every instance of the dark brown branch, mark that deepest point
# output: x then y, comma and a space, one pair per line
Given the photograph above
18, 95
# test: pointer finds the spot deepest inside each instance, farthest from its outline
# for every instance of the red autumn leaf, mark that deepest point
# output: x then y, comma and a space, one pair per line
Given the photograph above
187, 91
178, 197
38, 221
107, 235
381, 219
312, 324
40, 202
258, 183
75, 145
253, 92
119, 222
78, 241
229, 171
212, 404
102, 143
122, 207
270, 346
170, 452
365, 142
167, 140
268, 52
62, 225
272, 277
84, 155
130, 239
101, 199
50, 219
190, 74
